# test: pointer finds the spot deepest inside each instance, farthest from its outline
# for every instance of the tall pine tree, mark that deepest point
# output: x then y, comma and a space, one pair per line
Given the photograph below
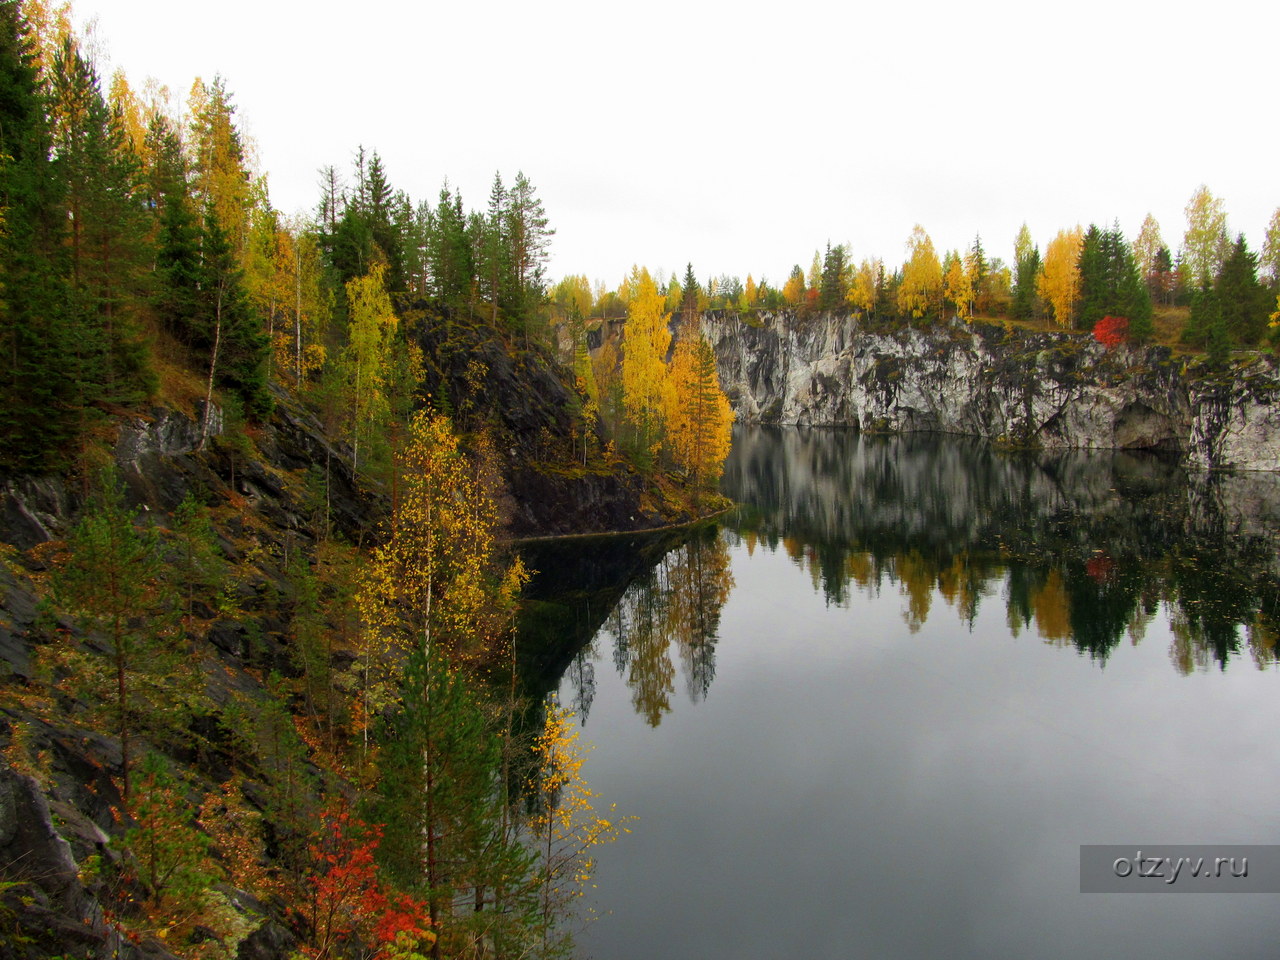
528, 238
1026, 270
37, 393
835, 278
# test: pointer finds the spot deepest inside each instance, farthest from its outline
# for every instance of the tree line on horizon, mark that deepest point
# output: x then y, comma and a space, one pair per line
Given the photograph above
1082, 277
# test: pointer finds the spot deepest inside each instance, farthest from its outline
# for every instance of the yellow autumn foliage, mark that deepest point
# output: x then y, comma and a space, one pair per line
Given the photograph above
698, 419
645, 341
920, 292
436, 579
1059, 283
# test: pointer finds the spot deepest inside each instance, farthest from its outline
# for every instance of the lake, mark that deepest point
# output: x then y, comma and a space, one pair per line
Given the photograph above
877, 709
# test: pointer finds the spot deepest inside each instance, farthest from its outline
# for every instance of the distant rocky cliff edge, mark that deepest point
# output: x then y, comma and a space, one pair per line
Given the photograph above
1049, 390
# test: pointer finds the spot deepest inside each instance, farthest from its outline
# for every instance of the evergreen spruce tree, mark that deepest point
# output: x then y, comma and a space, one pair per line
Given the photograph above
346, 230
1244, 302
378, 205
449, 254
1133, 298
37, 391
1026, 300
107, 228
1110, 284
689, 291
1205, 316
831, 295
350, 245
1094, 279
178, 258
408, 228
979, 269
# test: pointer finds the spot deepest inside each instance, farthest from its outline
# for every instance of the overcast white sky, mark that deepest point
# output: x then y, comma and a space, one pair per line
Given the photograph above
742, 136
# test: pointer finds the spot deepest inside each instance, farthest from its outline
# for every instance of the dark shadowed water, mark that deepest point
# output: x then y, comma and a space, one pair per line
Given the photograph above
877, 710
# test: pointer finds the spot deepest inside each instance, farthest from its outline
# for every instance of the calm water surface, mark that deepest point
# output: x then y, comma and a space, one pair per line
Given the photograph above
876, 711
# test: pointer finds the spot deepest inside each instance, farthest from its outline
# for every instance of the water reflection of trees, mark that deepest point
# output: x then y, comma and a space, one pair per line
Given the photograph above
676, 605
575, 586
1083, 548
653, 597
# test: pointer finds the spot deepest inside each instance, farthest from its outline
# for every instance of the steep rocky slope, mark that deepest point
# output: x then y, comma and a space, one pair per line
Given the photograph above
270, 491
524, 399
59, 776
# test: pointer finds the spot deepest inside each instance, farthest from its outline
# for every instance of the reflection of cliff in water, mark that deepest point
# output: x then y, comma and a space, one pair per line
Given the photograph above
1083, 545
646, 595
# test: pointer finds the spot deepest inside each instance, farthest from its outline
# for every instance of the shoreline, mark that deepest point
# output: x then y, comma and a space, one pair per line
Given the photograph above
599, 534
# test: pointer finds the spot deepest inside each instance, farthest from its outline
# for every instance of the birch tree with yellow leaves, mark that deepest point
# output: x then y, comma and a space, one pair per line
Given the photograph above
958, 287
794, 290
433, 581
1206, 244
222, 180
366, 362
920, 293
270, 279
50, 26
862, 292
1059, 282
434, 598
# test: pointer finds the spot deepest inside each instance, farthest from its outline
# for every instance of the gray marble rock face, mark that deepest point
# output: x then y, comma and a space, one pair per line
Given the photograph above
1049, 390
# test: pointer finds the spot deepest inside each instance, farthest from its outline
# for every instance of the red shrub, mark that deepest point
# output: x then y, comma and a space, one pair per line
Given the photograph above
347, 899
1111, 331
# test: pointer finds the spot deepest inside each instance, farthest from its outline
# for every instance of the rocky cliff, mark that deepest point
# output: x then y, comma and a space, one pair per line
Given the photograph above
525, 401
1046, 390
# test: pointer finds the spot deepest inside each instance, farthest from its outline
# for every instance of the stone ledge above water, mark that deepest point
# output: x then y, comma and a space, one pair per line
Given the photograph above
1046, 390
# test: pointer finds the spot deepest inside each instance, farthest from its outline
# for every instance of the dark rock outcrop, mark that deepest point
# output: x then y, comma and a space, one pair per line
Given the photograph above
45, 909
523, 398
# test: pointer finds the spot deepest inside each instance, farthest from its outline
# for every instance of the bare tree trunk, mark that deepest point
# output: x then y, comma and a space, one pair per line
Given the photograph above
213, 366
